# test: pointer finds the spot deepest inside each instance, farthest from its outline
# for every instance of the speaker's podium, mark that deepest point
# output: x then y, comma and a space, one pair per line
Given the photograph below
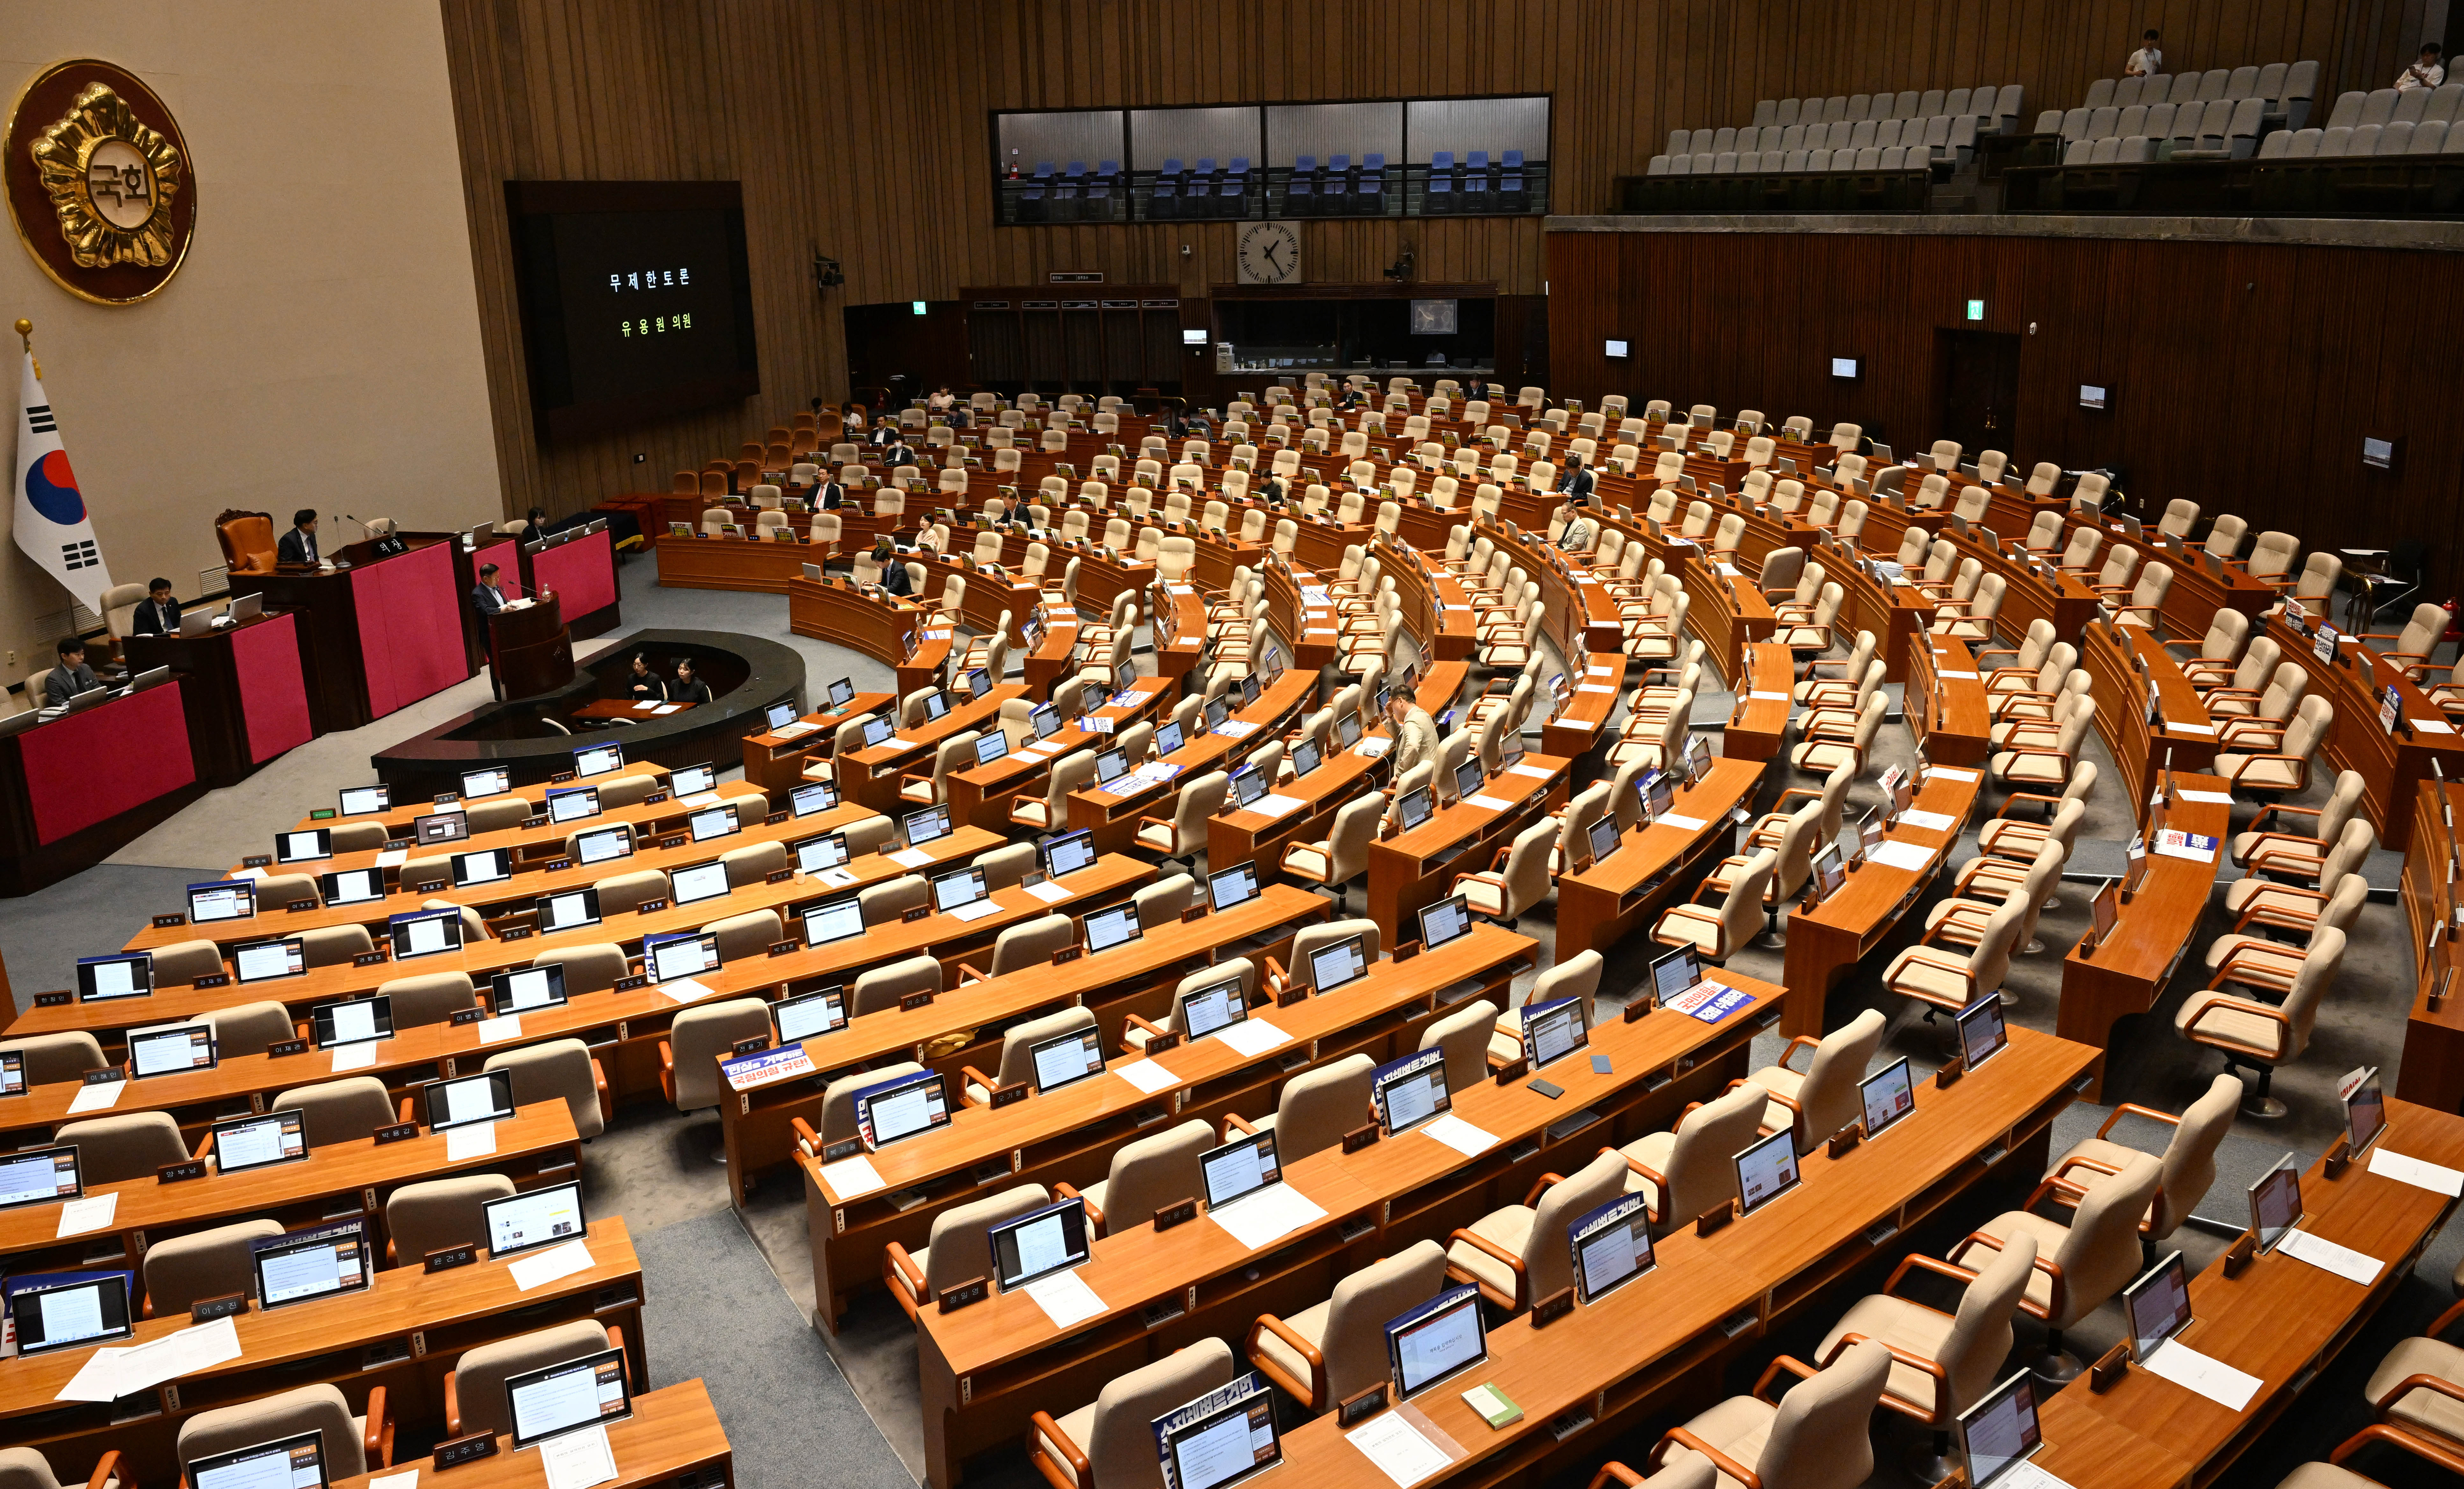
529, 650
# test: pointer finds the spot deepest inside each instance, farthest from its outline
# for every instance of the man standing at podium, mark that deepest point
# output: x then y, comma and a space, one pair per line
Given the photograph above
485, 595
300, 544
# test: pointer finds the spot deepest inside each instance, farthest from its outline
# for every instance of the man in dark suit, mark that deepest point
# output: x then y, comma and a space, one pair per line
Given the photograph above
1574, 483
834, 495
158, 614
899, 454
486, 595
300, 544
71, 676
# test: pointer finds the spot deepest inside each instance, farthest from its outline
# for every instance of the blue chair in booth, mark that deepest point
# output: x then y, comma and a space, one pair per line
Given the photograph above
1034, 203
1233, 192
1067, 196
1510, 190
1335, 189
1372, 183
1440, 197
1300, 187
1475, 181
1099, 189
1200, 193
1164, 198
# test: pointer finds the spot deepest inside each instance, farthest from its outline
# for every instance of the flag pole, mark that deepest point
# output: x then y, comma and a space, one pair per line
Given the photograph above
26, 334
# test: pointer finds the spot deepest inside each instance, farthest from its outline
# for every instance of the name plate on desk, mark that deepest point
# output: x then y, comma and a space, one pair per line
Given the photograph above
1556, 1305
458, 1451
557, 866
1713, 1221
395, 1133
1158, 1043
1949, 1075
451, 1257
652, 799
515, 934
204, 1310
368, 958
1407, 951
958, 1295
919, 912
674, 840
167, 922
52, 1000
561, 777
2107, 1372
257, 861
296, 906
1362, 1406
1291, 996
1178, 1213
463, 1015
101, 1077
282, 1047
778, 876
1010, 1095
1068, 954
180, 1172
750, 1045
915, 1001
1843, 1140
632, 984
2243, 1252
212, 979
1512, 1070
431, 887
774, 819
1359, 1138
783, 948
1635, 1011
650, 907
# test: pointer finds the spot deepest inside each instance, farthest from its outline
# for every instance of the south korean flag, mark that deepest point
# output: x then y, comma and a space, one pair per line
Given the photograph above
51, 523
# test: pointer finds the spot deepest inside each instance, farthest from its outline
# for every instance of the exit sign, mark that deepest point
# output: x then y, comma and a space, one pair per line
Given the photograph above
1975, 310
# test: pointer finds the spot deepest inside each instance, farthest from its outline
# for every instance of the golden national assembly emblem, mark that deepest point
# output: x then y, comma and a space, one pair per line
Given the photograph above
99, 183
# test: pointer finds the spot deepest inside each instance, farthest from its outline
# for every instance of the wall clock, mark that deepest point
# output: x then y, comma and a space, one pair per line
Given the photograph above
1269, 254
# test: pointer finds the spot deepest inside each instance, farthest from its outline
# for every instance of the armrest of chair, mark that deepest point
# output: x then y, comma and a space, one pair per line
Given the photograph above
2299, 762
1068, 1190
1916, 1261
1616, 1472
1490, 1248
1941, 1415
1234, 1121
896, 1262
1043, 1429
2240, 1005
806, 1139
2396, 1437
1802, 1040
668, 1070
378, 1442
974, 1076
2051, 1268
106, 1469
1686, 1438
2134, 1109
1540, 1186
1313, 1389
2050, 803
1787, 1363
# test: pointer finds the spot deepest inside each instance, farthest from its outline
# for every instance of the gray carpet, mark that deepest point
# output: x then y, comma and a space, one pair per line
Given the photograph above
42, 935
715, 1311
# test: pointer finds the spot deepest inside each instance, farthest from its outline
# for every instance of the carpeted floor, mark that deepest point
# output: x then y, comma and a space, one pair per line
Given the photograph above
791, 1401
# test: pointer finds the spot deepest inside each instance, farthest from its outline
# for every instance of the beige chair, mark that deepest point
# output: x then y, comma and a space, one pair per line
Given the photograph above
587, 969
1823, 1100
881, 989
1110, 1443
2188, 1161
698, 1040
2264, 848
1146, 1175
2260, 1036
1344, 855
1942, 1363
1718, 931
1517, 1255
1576, 977
202, 1265
25, 1468
1025, 946
1183, 835
1816, 1437
475, 1388
2417, 1396
331, 945
128, 1145
753, 863
185, 961
430, 997
749, 934
838, 1103
1944, 978
1464, 1034
560, 1069
1068, 773
352, 1445
338, 1112
2077, 1265
2284, 770
959, 1249
56, 1058
620, 894
1687, 1173
1337, 1349
1517, 880
437, 1215
1017, 1063
886, 902
1137, 1032
1315, 1108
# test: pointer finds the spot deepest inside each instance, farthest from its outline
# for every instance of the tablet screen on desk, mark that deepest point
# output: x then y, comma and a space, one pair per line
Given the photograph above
1044, 721
2276, 1202
1247, 786
1468, 779
1346, 729
1675, 975
1767, 1169
1215, 1006
1981, 1031
1436, 1338
2364, 1114
1111, 766
877, 732
1887, 1096
1411, 1090
679, 955
813, 796
1169, 738
12, 1073
719, 822
991, 747
1612, 1245
701, 882
352, 1022
231, 899
1554, 1031
423, 933
69, 1310
562, 1399
569, 910
489, 866
1659, 794
102, 978
1222, 1436
1107, 928
1414, 808
572, 803
246, 1142
1233, 887
259, 961
1039, 1243
302, 848
170, 1048
293, 1462
1065, 1058
1999, 1432
1238, 1169
1337, 965
814, 854
1215, 711
441, 827
927, 826
1068, 853
1305, 758
597, 759
365, 800
832, 920
534, 1217
302, 1265
1447, 920
2159, 1306
485, 1097
2106, 909
526, 987
957, 889
841, 693
936, 703
40, 1176
901, 1108
598, 847
802, 1017
1827, 873
778, 715
496, 781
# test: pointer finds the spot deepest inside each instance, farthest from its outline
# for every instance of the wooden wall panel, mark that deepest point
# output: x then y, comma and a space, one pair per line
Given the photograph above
2243, 375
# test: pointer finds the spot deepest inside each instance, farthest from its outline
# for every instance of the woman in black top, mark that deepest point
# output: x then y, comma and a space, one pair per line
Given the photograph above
644, 685
688, 688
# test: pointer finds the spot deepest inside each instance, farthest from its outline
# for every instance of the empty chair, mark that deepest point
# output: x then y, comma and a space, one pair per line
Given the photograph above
1686, 1173
1816, 1435
2255, 1035
1337, 1349
1146, 1175
1942, 1363
127, 1146
320, 1409
2188, 1161
2090, 1257
1315, 1108
338, 1112
959, 1246
1823, 1099
475, 1398
1519, 1253
558, 1070
1110, 1443
698, 1040
211, 1264
438, 1215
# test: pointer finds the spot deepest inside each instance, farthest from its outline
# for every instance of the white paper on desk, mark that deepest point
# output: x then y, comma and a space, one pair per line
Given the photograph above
1955, 677
1148, 1076
1910, 856
1681, 822
393, 858
1595, 688
646, 706
699, 798
1490, 803
2210, 797
2018, 1476
976, 910
1398, 1450
1259, 1219
1767, 697
2179, 727
1273, 806
577, 1459
96, 1097
542, 1268
896, 743
1947, 773
408, 1478
2434, 726
684, 990
143, 1366
909, 858
1049, 892
1460, 1135
1372, 747
1064, 1297
2419, 1172
492, 1031
2213, 1379
1931, 822
1253, 1036
96, 1380
93, 1213
850, 1177
2328, 1257
1235, 729
667, 708
1536, 771
472, 1140
836, 878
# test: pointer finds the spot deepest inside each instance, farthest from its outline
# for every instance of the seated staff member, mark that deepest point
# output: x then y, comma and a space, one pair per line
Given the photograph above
1576, 483
158, 614
643, 686
893, 573
300, 544
834, 495
687, 686
71, 675
1271, 492
487, 596
900, 454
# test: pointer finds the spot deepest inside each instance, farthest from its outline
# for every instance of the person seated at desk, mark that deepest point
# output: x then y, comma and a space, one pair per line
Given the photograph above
1271, 491
643, 686
900, 453
158, 614
1578, 535
883, 436
1477, 389
71, 676
687, 686
941, 402
486, 596
893, 573
300, 544
1574, 483
834, 495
